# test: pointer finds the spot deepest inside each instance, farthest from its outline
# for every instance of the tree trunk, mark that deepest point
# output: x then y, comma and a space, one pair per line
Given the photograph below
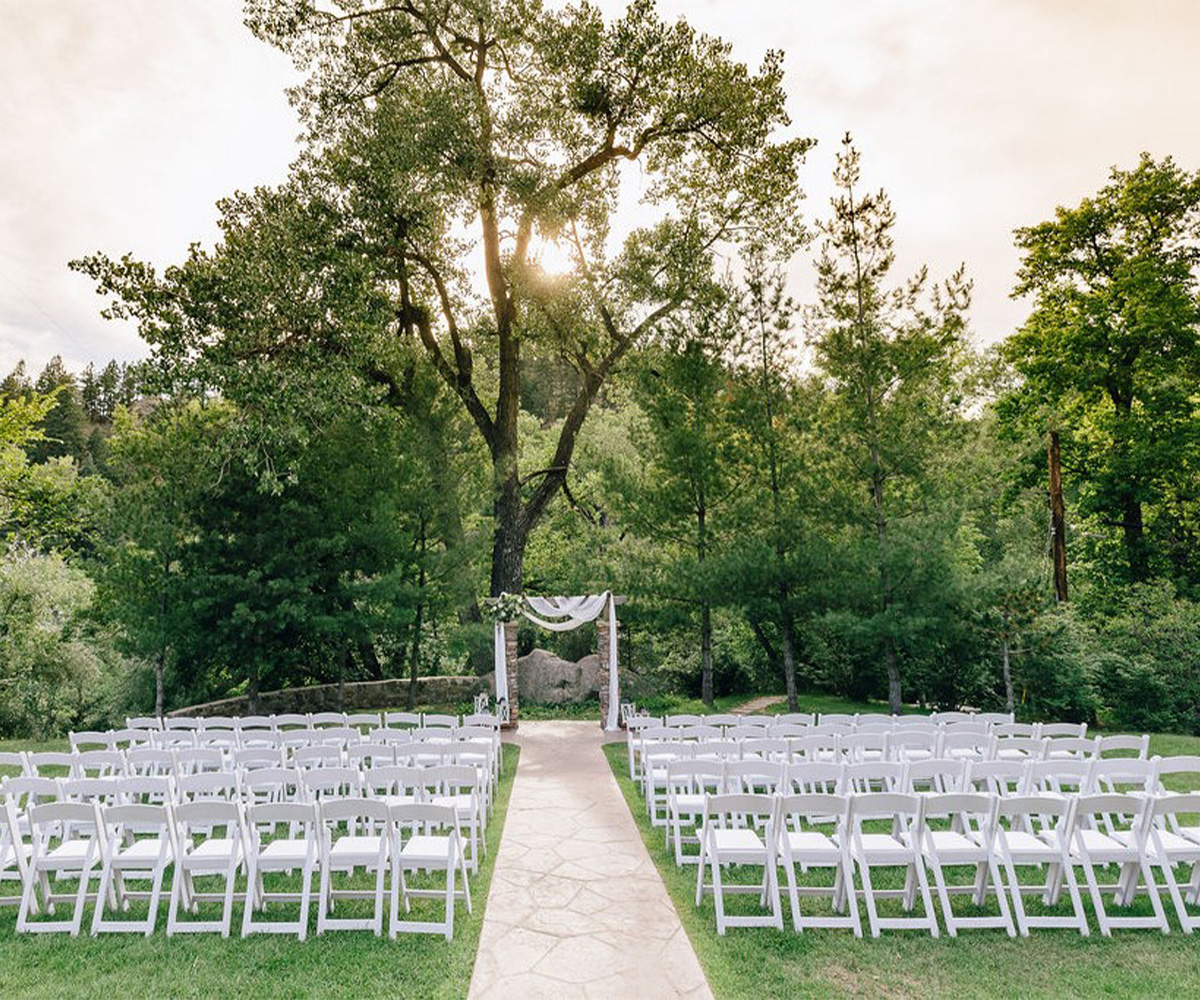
1006, 672
1135, 539
160, 670
706, 661
510, 532
1058, 520
341, 688
789, 659
252, 691
414, 667
895, 704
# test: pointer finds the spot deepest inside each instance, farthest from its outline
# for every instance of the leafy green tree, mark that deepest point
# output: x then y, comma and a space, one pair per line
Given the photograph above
53, 661
1111, 346
442, 133
891, 356
691, 451
64, 430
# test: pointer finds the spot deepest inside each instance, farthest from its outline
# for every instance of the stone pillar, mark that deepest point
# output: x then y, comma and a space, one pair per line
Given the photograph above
514, 685
602, 641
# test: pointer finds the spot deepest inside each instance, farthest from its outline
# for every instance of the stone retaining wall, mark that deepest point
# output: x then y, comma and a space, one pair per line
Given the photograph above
355, 696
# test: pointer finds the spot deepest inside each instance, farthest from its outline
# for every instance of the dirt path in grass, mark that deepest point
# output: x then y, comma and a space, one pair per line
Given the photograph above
577, 908
756, 705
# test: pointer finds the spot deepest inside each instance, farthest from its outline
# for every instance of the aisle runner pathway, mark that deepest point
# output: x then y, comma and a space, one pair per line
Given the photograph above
577, 907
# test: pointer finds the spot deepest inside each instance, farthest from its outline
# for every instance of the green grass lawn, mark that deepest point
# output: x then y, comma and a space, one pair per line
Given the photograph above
344, 963
763, 963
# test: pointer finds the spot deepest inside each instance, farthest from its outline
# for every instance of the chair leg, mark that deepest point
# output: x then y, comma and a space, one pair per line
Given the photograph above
718, 892
450, 901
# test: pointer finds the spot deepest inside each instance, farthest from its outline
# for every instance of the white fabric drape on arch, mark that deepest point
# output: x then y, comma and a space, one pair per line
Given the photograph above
562, 614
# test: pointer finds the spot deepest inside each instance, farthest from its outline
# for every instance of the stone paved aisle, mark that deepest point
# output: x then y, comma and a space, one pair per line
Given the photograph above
577, 908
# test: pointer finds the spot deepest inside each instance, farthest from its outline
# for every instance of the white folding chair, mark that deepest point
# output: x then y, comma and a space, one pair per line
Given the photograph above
1070, 748
912, 745
824, 747
1023, 730
796, 719
729, 835
1139, 746
898, 848
1091, 846
837, 719
74, 857
1168, 850
49, 763
357, 720
143, 722
1068, 729
149, 762
89, 741
677, 721
199, 760
1019, 748
397, 720
1020, 847
273, 785
458, 786
309, 757
322, 720
209, 841
802, 842
289, 721
354, 834
257, 758
321, 783
939, 775
689, 783
997, 777
814, 777
282, 837
426, 849
968, 746
860, 748
873, 776
969, 842
435, 721
98, 764
137, 843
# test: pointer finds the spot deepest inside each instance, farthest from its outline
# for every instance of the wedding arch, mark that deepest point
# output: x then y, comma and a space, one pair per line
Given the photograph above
559, 614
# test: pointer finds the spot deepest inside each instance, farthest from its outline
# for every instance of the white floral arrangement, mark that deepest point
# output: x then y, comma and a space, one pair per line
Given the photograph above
505, 608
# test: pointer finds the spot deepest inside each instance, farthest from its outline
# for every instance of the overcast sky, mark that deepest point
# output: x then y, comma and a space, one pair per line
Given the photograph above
123, 121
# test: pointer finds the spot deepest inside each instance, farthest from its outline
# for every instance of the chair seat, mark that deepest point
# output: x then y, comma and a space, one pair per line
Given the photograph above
68, 853
144, 850
883, 848
811, 845
428, 848
284, 852
216, 851
463, 803
1174, 845
1022, 844
737, 841
1100, 846
352, 846
952, 845
689, 803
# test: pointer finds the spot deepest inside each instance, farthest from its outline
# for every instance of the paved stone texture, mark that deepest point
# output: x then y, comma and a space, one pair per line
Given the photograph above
577, 908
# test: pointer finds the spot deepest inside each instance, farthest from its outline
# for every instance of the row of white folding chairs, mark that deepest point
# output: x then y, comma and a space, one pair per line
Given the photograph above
929, 834
897, 746
110, 844
849, 720
310, 720
460, 744
226, 736
673, 791
461, 785
102, 765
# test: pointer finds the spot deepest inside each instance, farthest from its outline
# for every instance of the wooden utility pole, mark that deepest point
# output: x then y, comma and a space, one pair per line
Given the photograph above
1058, 521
